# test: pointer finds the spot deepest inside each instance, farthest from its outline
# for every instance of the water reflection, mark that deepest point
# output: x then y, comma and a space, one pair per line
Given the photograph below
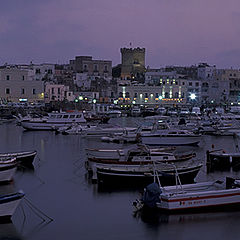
9, 232
154, 217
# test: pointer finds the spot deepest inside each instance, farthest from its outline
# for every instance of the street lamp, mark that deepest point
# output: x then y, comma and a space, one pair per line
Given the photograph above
192, 96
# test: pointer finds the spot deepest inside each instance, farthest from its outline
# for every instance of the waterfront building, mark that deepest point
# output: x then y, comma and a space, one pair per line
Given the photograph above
231, 80
133, 63
207, 75
91, 67
87, 96
168, 93
155, 76
58, 92
18, 85
194, 95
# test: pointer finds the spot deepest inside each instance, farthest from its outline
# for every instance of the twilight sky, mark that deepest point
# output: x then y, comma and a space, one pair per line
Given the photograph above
174, 32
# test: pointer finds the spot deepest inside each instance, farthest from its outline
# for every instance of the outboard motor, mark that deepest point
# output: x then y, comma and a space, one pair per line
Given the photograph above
151, 195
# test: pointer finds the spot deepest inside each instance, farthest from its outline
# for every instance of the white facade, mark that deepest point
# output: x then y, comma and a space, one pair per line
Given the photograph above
82, 80
154, 77
17, 85
44, 71
58, 92
168, 93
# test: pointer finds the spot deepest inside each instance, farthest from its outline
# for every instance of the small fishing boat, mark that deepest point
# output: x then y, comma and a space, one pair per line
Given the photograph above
190, 197
25, 157
124, 154
144, 173
171, 137
98, 131
124, 137
8, 168
220, 159
8, 204
96, 118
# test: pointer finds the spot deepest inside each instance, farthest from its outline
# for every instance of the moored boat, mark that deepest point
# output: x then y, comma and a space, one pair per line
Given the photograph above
122, 174
124, 154
8, 168
53, 121
24, 157
191, 197
9, 203
171, 137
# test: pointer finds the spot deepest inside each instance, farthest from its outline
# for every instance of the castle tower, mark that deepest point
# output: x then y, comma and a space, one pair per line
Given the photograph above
133, 62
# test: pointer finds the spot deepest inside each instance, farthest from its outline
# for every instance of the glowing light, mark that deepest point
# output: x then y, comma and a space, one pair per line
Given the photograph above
133, 102
160, 97
94, 100
193, 96
22, 100
80, 98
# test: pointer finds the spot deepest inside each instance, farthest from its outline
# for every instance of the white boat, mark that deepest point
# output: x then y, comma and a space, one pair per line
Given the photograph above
135, 112
53, 121
125, 137
113, 113
8, 168
123, 154
98, 131
170, 137
24, 157
196, 196
76, 129
9, 203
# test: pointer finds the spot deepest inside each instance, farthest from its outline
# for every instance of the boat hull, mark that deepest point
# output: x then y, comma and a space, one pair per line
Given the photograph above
170, 141
49, 126
142, 175
9, 204
25, 158
7, 172
200, 200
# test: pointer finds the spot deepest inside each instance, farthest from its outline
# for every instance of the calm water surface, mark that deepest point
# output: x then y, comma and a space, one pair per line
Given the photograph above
59, 187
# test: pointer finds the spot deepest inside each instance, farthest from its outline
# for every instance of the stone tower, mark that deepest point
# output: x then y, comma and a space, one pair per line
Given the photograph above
133, 63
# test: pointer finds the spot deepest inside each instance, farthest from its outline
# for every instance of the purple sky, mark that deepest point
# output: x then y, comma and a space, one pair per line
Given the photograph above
174, 32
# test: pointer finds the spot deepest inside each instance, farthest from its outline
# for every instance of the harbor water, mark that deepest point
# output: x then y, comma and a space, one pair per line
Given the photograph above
61, 202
